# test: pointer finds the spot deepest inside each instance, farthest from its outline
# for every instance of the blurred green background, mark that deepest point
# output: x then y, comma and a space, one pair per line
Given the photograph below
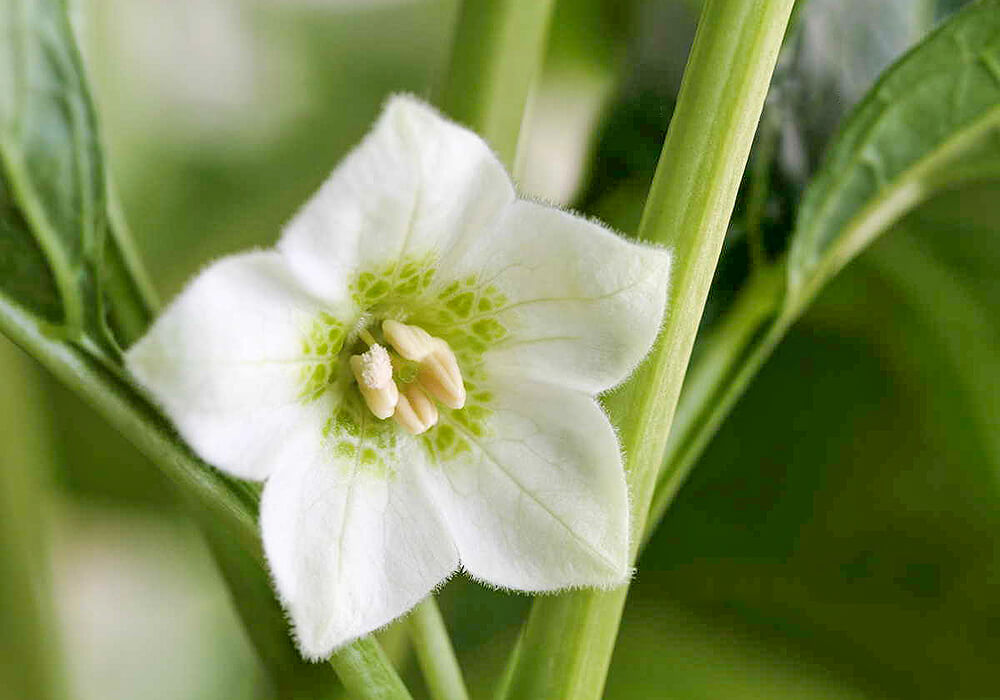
841, 537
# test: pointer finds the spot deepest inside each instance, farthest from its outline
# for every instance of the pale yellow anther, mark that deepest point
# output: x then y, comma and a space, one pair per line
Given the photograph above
373, 372
415, 411
440, 375
411, 342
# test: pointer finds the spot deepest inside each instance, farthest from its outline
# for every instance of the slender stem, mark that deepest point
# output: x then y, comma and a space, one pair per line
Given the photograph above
688, 209
759, 187
435, 653
29, 646
496, 58
367, 673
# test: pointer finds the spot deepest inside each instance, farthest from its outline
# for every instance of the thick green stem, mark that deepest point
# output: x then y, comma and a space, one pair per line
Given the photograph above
688, 209
495, 60
435, 653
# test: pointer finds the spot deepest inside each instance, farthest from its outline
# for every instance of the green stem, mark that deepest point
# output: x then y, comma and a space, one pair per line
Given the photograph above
495, 60
435, 653
688, 209
29, 645
366, 672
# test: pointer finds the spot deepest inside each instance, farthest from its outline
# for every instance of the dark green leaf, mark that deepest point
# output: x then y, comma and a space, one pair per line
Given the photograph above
932, 122
51, 167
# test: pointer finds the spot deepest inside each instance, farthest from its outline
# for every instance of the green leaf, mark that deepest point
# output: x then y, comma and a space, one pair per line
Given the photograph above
52, 198
832, 57
932, 122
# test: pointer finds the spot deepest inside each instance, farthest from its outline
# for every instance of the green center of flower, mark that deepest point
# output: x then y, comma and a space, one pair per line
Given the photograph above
400, 305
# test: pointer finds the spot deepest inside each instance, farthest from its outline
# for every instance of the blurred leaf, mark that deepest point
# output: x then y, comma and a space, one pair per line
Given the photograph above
52, 198
932, 122
834, 53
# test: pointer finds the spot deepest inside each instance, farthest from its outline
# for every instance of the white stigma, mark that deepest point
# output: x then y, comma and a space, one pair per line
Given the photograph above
376, 367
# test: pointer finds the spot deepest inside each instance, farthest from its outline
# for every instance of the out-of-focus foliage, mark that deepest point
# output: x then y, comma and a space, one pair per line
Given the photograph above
930, 123
833, 55
52, 182
849, 510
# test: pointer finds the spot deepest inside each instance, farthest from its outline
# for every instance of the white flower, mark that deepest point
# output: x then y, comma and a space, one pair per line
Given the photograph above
416, 285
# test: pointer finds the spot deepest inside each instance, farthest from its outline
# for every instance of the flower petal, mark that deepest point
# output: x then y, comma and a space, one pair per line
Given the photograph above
352, 547
225, 363
582, 305
539, 503
414, 185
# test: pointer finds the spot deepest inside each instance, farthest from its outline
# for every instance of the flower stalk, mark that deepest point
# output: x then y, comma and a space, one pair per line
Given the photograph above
435, 653
568, 640
496, 57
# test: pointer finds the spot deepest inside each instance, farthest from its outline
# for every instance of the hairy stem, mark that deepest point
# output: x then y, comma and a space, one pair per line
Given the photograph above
567, 644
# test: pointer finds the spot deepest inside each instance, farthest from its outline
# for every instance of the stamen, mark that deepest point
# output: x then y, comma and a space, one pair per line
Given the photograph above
411, 342
440, 375
438, 372
415, 412
437, 375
